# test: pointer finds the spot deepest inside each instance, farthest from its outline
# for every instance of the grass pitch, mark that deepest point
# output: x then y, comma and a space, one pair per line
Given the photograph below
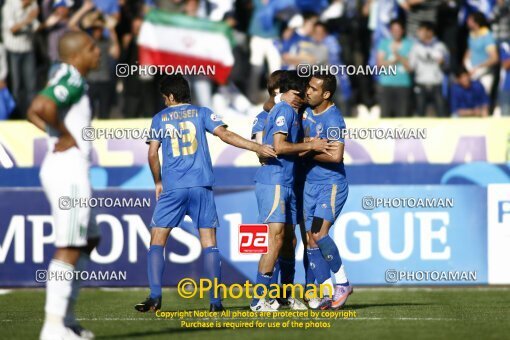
381, 313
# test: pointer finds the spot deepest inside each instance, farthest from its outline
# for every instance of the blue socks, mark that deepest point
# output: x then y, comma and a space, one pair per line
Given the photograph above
261, 279
212, 265
155, 268
287, 269
319, 265
330, 252
309, 277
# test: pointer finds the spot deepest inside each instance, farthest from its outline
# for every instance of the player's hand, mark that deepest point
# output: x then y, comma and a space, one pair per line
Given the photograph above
65, 142
266, 151
262, 159
159, 190
292, 98
322, 145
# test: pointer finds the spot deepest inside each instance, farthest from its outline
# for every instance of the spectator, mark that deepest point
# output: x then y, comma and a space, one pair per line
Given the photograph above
139, 91
504, 92
321, 36
418, 11
395, 89
428, 58
56, 25
19, 23
109, 8
449, 32
263, 31
301, 46
7, 103
100, 80
501, 20
468, 97
482, 54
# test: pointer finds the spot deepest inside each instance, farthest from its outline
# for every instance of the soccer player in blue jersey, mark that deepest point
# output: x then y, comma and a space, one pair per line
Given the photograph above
286, 262
275, 179
326, 187
184, 181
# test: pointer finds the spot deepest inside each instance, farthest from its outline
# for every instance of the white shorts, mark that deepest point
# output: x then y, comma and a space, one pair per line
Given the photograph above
64, 177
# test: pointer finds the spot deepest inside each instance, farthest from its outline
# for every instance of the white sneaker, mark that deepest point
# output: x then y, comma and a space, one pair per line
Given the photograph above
262, 306
83, 332
295, 304
313, 303
275, 305
58, 332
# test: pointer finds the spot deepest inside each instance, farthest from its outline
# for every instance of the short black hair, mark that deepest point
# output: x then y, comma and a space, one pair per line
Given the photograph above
323, 25
273, 82
328, 83
176, 85
480, 19
398, 22
428, 25
308, 15
290, 80
460, 71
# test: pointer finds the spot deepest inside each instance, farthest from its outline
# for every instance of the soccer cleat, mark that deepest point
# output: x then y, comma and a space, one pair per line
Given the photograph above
295, 304
58, 332
325, 303
262, 306
313, 303
149, 304
340, 296
274, 303
82, 332
284, 302
216, 308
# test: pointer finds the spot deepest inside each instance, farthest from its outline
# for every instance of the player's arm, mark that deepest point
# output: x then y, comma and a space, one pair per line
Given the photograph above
336, 155
268, 105
291, 97
234, 139
258, 137
43, 112
155, 166
282, 147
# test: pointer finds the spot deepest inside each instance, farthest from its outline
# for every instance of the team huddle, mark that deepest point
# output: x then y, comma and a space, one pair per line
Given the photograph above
301, 181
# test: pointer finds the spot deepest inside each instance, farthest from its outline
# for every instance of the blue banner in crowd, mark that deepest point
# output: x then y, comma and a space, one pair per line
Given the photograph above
386, 235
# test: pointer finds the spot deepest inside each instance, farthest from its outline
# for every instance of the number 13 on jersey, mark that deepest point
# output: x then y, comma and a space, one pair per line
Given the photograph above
187, 134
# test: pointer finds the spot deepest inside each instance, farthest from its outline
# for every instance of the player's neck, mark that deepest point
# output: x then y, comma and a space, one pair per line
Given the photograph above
178, 104
81, 70
321, 108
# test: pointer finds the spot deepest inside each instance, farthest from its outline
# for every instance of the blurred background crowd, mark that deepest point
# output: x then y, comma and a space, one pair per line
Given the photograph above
452, 56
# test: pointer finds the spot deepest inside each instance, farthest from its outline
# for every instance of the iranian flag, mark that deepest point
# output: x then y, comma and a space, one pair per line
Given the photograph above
190, 44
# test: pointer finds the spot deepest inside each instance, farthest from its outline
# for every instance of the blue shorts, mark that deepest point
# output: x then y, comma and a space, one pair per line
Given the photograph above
196, 202
277, 203
324, 201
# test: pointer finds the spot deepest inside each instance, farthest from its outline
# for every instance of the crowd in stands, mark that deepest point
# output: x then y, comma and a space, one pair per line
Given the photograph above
452, 57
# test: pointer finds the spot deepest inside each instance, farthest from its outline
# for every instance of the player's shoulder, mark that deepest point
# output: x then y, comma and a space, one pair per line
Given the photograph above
334, 115
282, 106
262, 115
66, 75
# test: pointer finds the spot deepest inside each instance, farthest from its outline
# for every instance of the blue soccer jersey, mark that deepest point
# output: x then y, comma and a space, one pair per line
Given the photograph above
259, 123
181, 131
328, 125
281, 119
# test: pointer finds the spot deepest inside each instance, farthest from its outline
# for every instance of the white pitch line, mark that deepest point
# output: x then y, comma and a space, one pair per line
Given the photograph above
227, 319
5, 291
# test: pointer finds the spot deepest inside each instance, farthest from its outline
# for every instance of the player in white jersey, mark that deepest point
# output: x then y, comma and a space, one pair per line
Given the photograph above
62, 109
